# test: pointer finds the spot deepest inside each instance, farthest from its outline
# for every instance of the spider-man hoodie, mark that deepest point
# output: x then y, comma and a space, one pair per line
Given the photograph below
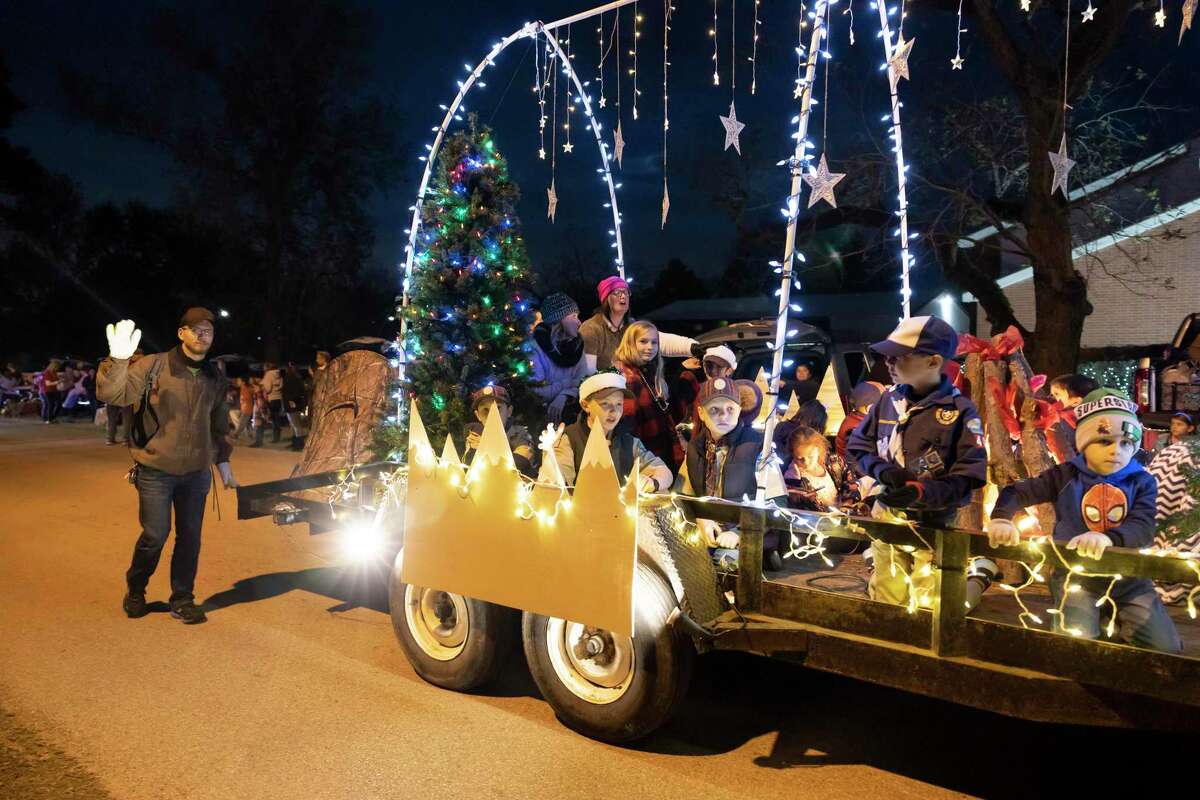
1120, 506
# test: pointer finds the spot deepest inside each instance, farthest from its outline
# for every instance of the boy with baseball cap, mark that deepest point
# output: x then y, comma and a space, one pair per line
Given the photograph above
1101, 497
602, 399
519, 439
922, 442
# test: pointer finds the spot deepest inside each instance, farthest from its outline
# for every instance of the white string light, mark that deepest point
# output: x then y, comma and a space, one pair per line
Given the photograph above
895, 59
637, 34
600, 60
957, 61
754, 51
668, 10
716, 62
567, 146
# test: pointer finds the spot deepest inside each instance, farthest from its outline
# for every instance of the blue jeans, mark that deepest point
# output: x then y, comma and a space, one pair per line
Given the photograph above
1142, 619
158, 492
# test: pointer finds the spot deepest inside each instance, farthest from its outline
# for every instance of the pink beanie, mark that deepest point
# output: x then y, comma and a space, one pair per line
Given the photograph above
610, 285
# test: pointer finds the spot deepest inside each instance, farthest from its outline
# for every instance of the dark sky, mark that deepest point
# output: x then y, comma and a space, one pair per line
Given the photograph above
420, 54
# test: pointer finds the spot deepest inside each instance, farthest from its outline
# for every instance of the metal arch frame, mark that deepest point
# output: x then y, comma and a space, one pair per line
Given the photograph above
529, 29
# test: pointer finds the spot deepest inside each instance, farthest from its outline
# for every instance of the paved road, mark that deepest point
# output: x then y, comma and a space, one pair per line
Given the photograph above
295, 687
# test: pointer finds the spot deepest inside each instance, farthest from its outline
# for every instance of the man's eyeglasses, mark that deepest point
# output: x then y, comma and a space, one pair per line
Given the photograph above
202, 333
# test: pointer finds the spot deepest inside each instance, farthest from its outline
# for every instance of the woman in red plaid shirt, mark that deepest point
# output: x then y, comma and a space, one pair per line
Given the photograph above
648, 414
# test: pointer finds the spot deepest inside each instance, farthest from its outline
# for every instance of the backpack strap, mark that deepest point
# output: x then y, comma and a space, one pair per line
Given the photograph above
138, 428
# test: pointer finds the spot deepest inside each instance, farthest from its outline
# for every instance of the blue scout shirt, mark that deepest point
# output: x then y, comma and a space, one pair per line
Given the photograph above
941, 442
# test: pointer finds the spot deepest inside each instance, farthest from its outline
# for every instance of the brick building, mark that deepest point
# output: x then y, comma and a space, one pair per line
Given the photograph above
1140, 253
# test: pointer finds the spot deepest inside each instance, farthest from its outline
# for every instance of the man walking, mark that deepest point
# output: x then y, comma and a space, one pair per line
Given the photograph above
180, 427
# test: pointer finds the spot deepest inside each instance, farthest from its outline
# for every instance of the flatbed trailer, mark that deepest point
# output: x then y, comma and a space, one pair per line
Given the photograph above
941, 652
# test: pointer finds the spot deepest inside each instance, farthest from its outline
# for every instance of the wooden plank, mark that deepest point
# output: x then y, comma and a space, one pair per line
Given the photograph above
854, 615
752, 528
949, 603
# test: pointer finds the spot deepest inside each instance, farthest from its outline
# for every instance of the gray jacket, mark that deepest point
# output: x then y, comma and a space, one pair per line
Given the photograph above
193, 418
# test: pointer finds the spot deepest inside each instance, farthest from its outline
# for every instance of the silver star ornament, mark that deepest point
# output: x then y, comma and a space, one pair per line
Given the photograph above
1089, 13
821, 181
956, 62
1160, 18
899, 60
732, 129
619, 144
568, 147
551, 202
1062, 168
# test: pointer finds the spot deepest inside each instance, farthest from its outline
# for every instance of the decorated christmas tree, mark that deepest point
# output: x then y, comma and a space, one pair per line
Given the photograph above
469, 313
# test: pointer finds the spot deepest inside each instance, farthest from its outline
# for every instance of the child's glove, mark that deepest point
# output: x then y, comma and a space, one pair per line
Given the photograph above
895, 477
903, 496
1090, 545
1002, 533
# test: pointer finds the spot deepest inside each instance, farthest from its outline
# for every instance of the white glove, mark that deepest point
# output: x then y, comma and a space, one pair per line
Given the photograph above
227, 475
548, 439
1002, 533
728, 540
123, 339
1090, 545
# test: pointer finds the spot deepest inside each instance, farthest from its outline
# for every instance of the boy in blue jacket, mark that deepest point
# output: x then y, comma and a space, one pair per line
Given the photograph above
923, 444
1101, 497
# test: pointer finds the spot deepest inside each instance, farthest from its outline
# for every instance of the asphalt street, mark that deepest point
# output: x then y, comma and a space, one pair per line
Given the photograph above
296, 688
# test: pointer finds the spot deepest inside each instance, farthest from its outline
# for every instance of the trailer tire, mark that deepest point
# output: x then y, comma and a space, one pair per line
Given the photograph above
452, 641
631, 686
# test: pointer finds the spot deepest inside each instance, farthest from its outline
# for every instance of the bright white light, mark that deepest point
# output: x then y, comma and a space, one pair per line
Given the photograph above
223, 313
361, 541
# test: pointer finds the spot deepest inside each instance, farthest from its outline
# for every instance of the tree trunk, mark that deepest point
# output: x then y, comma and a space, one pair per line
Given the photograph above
1060, 292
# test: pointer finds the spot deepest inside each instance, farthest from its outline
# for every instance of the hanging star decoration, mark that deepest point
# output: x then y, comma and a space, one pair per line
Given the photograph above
551, 202
666, 205
1089, 12
619, 144
798, 92
956, 62
899, 60
732, 129
1062, 167
603, 101
822, 181
1024, 5
1189, 11
542, 153
1160, 18
568, 147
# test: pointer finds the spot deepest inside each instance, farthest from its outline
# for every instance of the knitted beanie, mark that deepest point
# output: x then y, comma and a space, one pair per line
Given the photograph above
557, 307
609, 285
1106, 412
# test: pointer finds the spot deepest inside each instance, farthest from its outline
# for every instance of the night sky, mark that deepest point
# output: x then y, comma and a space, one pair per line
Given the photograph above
420, 53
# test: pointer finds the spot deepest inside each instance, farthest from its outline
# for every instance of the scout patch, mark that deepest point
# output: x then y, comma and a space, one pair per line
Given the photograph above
947, 416
975, 427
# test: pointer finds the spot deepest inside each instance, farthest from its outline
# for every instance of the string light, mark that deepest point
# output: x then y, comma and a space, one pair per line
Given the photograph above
668, 11
637, 34
713, 33
957, 61
600, 61
754, 51
568, 67
896, 64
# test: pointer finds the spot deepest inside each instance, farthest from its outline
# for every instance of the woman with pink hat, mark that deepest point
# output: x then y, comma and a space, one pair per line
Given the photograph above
602, 331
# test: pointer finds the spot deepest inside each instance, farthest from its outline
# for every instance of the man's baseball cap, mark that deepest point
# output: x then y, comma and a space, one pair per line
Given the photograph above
925, 335
497, 393
194, 315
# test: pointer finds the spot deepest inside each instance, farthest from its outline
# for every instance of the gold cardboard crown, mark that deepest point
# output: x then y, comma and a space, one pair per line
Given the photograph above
483, 532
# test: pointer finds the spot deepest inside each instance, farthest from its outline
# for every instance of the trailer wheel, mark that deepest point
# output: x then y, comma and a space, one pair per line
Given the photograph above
609, 687
452, 641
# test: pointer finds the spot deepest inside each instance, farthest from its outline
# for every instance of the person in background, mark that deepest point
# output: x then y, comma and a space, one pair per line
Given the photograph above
262, 411
721, 460
49, 384
272, 383
923, 444
717, 362
1068, 392
294, 396
559, 364
245, 389
602, 332
1102, 497
862, 397
1183, 427
180, 434
818, 480
602, 399
810, 414
648, 415
519, 439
